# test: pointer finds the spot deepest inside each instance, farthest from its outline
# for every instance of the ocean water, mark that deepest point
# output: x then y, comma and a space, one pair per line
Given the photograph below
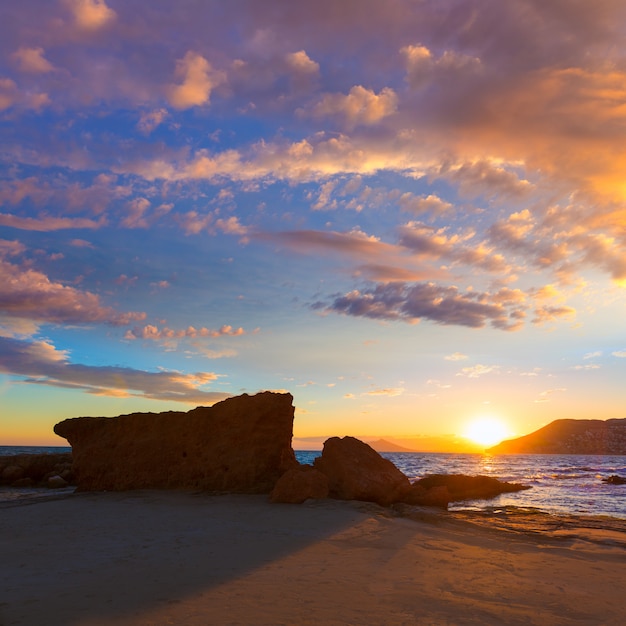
560, 484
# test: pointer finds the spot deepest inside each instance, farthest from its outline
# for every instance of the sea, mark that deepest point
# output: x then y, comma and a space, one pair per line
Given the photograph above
561, 484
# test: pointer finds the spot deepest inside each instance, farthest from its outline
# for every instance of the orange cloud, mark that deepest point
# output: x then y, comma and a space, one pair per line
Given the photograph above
91, 14
32, 60
197, 78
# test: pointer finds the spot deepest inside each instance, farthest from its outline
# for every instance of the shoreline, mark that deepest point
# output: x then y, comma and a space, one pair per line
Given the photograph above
156, 557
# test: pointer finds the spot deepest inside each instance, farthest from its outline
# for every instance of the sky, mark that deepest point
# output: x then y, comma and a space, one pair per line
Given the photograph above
409, 214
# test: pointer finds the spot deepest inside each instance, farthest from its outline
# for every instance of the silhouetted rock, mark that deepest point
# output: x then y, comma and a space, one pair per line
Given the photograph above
462, 487
356, 471
30, 470
570, 436
299, 484
614, 480
242, 444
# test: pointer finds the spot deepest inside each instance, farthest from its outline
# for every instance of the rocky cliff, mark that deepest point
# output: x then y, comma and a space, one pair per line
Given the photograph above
242, 444
570, 436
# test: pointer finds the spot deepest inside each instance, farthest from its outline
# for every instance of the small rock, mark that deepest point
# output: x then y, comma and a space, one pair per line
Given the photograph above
56, 482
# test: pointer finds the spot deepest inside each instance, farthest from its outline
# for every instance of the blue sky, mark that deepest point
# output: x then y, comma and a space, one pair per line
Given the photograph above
410, 215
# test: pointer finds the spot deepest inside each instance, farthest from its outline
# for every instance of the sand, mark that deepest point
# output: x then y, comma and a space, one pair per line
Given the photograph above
180, 558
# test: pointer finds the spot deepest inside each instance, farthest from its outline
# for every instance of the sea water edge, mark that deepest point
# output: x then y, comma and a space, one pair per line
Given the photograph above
560, 484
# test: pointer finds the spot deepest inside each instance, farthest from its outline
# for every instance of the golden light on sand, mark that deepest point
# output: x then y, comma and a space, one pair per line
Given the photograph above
486, 431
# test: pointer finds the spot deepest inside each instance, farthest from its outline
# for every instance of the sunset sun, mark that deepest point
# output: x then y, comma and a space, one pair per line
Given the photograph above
486, 431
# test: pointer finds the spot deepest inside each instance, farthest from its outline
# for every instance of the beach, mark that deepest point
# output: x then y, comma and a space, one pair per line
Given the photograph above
165, 557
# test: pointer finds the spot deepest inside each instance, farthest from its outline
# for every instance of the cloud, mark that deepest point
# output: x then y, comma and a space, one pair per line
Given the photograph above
388, 391
547, 314
149, 120
431, 204
483, 178
42, 364
428, 242
440, 304
29, 294
12, 96
476, 371
11, 248
197, 78
592, 355
155, 334
620, 354
360, 106
354, 242
301, 63
544, 396
91, 15
47, 223
32, 60
135, 214
456, 356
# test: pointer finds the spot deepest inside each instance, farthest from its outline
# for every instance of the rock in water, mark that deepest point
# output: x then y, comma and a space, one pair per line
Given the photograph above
242, 444
357, 472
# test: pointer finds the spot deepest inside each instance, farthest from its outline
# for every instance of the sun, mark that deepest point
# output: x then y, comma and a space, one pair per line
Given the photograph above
486, 431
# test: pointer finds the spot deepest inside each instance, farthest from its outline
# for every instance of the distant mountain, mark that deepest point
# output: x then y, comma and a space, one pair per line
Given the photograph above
382, 445
570, 436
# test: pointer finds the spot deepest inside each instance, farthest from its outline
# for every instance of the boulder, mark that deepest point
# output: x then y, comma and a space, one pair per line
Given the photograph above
11, 473
462, 487
299, 484
356, 471
56, 482
242, 444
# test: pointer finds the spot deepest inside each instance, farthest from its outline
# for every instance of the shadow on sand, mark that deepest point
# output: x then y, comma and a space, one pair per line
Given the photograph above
106, 557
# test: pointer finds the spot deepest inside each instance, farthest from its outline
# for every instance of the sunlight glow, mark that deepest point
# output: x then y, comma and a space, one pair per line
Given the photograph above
486, 431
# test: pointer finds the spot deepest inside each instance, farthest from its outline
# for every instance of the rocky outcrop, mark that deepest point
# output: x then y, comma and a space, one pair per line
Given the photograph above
614, 480
418, 495
570, 436
300, 484
242, 444
462, 487
36, 470
356, 471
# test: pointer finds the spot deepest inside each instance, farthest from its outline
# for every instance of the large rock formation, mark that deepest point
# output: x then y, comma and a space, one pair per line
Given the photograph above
242, 444
570, 436
356, 471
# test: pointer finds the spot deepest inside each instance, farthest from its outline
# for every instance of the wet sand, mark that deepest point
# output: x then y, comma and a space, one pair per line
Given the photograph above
140, 558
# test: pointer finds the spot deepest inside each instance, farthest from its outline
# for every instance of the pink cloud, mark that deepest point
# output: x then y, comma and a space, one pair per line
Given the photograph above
46, 223
42, 364
32, 60
155, 333
30, 294
91, 14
